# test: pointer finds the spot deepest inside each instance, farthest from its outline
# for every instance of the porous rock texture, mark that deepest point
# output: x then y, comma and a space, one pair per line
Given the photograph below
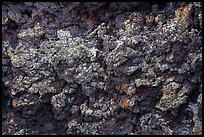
102, 68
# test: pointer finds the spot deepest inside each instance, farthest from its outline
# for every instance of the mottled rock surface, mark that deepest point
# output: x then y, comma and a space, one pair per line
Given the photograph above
100, 68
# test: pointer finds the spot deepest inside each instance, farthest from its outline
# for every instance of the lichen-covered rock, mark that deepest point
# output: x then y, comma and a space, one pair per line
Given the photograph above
129, 103
58, 101
171, 101
154, 123
102, 68
84, 128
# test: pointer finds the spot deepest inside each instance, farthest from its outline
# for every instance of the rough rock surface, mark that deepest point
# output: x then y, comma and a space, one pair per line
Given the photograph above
102, 68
